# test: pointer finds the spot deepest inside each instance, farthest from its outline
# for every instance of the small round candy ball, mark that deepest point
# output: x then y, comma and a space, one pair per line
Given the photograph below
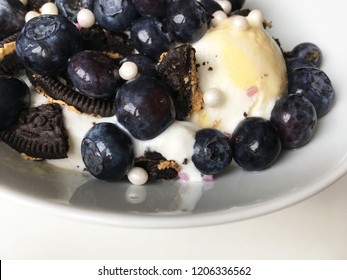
226, 6
256, 17
213, 97
218, 17
49, 9
128, 70
24, 2
30, 15
138, 176
85, 18
239, 22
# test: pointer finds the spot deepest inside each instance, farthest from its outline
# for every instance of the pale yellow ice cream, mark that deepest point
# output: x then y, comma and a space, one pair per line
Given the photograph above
246, 66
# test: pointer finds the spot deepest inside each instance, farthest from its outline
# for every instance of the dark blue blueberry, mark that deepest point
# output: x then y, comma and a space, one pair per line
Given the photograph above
211, 6
308, 52
70, 8
144, 107
12, 15
14, 97
94, 74
212, 151
315, 85
145, 65
150, 37
236, 4
154, 8
256, 144
295, 63
115, 15
107, 151
46, 43
296, 120
186, 21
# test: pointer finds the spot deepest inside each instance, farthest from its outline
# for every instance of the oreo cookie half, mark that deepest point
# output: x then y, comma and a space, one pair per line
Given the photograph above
177, 68
60, 93
39, 133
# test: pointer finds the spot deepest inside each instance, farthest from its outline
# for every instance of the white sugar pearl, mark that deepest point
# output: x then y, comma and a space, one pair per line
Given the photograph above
256, 17
226, 6
24, 2
218, 17
136, 194
30, 15
49, 9
213, 97
239, 22
137, 176
128, 70
85, 18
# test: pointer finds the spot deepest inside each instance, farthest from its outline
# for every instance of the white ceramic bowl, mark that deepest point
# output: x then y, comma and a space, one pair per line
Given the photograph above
234, 196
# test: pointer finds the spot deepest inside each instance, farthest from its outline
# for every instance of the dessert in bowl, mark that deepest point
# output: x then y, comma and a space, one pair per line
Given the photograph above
233, 190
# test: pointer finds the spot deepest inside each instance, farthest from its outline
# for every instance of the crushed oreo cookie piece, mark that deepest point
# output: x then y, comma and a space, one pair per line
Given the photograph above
157, 166
178, 69
116, 45
39, 133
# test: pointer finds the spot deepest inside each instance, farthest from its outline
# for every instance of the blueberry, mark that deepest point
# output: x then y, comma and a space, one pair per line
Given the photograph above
211, 6
295, 63
107, 151
12, 15
116, 15
14, 97
212, 151
307, 52
145, 65
315, 85
237, 4
154, 8
186, 21
296, 120
256, 144
70, 8
94, 74
144, 107
150, 37
46, 43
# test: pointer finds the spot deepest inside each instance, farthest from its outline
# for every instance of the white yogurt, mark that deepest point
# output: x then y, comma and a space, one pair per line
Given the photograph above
175, 143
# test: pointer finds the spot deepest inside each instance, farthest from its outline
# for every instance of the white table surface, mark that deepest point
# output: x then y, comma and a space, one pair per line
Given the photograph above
313, 229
